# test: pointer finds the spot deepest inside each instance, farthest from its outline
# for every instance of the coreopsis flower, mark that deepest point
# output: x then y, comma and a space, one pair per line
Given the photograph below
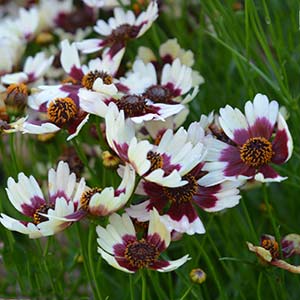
268, 253
104, 202
123, 250
124, 26
33, 70
60, 105
168, 52
105, 3
164, 163
47, 216
253, 142
175, 81
176, 203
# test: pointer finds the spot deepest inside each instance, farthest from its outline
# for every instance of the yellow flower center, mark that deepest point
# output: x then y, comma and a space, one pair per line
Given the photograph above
256, 152
89, 78
86, 197
61, 111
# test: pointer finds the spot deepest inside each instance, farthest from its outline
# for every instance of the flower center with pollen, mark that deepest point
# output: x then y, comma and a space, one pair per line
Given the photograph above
37, 218
86, 197
141, 254
272, 246
183, 193
256, 152
158, 94
89, 78
61, 110
155, 160
133, 105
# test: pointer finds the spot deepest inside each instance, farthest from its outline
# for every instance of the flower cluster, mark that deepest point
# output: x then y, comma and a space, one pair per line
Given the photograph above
169, 175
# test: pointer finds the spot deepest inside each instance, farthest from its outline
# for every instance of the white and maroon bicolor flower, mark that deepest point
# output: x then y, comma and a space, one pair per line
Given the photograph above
104, 202
164, 163
168, 52
105, 3
177, 204
255, 140
48, 216
61, 104
175, 81
123, 250
34, 69
54, 109
119, 29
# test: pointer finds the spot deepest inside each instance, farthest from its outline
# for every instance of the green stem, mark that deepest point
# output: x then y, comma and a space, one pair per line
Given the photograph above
143, 286
91, 263
186, 293
86, 263
83, 158
131, 287
259, 286
273, 221
249, 221
13, 153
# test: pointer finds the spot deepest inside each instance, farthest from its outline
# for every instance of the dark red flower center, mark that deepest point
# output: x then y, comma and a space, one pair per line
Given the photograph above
89, 78
37, 218
61, 111
183, 193
124, 32
158, 94
133, 106
141, 254
256, 152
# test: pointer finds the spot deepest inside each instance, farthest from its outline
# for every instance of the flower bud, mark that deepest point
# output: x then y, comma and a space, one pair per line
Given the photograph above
198, 276
16, 99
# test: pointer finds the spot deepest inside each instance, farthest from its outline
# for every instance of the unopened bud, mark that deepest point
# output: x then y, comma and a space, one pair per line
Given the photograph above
198, 276
16, 99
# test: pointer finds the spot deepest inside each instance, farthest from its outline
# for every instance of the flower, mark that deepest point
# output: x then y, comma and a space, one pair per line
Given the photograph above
119, 29
122, 249
168, 52
105, 3
104, 202
34, 69
290, 245
165, 163
175, 81
59, 106
268, 253
255, 140
48, 216
176, 204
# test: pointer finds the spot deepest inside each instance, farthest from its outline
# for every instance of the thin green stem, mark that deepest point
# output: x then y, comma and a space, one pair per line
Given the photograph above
258, 291
144, 286
83, 158
91, 262
13, 153
186, 293
131, 286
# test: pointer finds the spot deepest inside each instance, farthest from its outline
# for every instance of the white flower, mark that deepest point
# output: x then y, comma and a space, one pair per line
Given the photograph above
48, 216
121, 248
